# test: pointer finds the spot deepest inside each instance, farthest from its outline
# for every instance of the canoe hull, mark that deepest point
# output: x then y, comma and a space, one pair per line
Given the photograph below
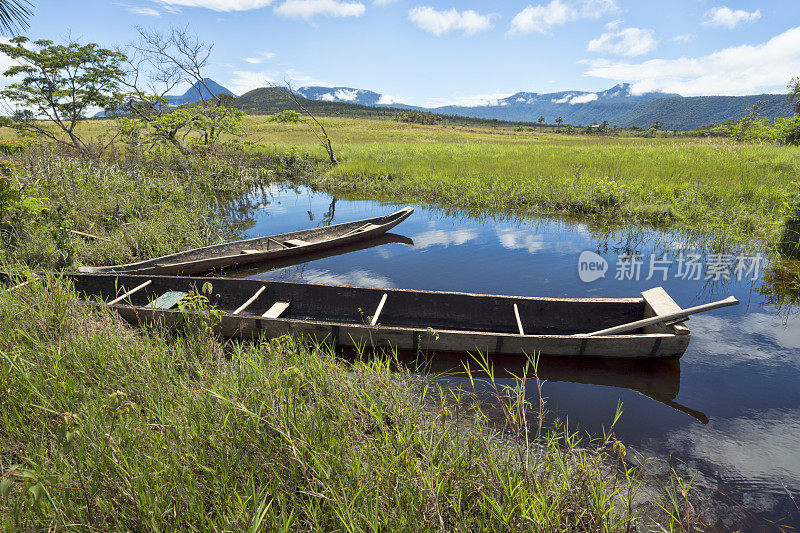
644, 346
229, 255
418, 321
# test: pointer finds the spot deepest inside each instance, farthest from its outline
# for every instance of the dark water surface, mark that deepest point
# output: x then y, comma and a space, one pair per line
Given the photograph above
729, 410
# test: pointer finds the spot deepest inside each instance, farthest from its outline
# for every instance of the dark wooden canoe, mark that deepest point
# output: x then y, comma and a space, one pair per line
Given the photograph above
406, 319
262, 249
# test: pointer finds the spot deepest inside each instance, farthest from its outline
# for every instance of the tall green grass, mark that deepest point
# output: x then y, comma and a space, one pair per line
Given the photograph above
715, 189
108, 428
137, 205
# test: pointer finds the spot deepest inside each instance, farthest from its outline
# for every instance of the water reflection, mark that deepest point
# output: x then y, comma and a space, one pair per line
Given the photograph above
444, 238
659, 379
386, 238
740, 374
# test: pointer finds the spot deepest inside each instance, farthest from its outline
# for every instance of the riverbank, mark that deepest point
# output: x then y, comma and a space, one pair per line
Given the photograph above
111, 427
115, 428
716, 190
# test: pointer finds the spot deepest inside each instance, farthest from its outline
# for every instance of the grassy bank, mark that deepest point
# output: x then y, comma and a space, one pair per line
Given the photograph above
134, 206
107, 427
715, 189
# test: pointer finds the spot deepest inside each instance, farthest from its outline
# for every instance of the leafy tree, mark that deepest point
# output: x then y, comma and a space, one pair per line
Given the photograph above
14, 15
541, 120
158, 63
794, 93
654, 127
559, 121
286, 116
60, 83
750, 118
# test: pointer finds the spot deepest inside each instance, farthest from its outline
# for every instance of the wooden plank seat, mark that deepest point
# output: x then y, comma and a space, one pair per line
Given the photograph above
658, 302
276, 310
365, 227
250, 251
296, 242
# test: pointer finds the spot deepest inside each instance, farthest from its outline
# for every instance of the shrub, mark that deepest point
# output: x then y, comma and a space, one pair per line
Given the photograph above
286, 116
788, 130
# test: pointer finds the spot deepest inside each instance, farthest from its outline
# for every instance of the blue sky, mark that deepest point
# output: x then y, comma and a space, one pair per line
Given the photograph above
431, 52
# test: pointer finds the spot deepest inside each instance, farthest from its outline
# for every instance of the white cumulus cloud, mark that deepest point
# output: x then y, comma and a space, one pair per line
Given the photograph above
144, 11
542, 18
306, 9
441, 22
736, 70
260, 57
346, 95
219, 5
624, 41
725, 17
468, 101
583, 98
387, 99
244, 81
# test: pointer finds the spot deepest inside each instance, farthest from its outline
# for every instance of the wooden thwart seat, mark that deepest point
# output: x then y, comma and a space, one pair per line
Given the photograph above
276, 310
658, 303
252, 299
519, 322
168, 300
365, 227
296, 242
133, 290
378, 310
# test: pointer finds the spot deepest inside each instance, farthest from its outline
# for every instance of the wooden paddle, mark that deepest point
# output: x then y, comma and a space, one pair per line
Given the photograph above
662, 318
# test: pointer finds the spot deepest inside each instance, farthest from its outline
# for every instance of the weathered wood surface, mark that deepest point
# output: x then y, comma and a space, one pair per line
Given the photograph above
409, 320
623, 328
261, 249
276, 310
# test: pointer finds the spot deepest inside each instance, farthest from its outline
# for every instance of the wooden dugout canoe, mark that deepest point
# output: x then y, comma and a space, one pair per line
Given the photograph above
407, 319
262, 249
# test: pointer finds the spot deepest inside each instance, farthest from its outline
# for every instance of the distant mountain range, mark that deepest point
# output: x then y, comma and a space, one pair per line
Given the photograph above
193, 94
618, 105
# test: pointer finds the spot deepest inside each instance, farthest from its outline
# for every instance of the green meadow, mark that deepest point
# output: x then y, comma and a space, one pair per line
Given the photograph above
109, 427
715, 189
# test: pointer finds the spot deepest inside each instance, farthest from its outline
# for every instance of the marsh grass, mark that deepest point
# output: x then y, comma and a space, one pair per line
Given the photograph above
716, 189
138, 205
106, 427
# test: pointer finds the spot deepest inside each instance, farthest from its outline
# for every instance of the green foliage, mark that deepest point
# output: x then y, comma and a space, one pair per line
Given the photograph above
793, 96
17, 208
788, 130
418, 117
108, 428
139, 206
60, 82
146, 120
14, 15
286, 117
789, 242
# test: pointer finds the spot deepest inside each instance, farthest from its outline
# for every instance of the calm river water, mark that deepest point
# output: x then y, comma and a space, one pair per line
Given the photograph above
729, 410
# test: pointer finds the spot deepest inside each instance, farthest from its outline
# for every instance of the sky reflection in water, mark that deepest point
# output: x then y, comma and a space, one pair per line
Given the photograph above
742, 368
